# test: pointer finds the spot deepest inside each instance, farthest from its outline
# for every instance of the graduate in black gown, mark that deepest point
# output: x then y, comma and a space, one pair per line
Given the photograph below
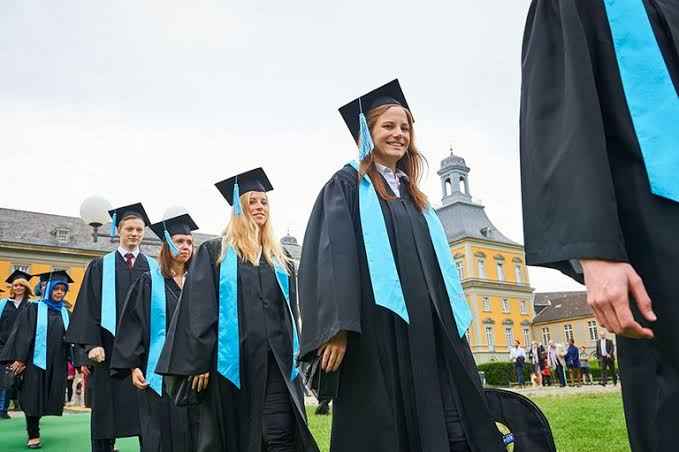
392, 332
165, 427
114, 401
37, 351
235, 331
19, 293
599, 166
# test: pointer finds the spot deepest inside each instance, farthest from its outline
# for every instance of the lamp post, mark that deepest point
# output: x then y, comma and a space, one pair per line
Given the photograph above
94, 211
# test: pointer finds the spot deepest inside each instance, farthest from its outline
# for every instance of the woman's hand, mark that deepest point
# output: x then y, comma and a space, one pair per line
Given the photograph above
85, 371
17, 367
138, 379
332, 352
199, 382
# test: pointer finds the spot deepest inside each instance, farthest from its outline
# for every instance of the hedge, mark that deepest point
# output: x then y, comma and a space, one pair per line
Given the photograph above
501, 373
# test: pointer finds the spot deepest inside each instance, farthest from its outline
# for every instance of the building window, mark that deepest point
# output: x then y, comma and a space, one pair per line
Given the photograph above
486, 304
524, 307
482, 267
526, 337
22, 267
593, 333
509, 336
490, 338
460, 268
546, 337
517, 272
500, 271
568, 331
505, 305
63, 235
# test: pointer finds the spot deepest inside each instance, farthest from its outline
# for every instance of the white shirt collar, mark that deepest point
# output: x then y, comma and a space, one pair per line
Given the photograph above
393, 179
124, 251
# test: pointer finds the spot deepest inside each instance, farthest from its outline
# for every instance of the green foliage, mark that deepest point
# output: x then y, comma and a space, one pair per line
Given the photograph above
501, 373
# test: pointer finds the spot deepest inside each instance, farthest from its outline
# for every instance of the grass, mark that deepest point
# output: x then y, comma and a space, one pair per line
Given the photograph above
581, 423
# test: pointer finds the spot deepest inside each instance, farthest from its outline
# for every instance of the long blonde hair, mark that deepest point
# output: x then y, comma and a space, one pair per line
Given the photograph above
24, 283
246, 237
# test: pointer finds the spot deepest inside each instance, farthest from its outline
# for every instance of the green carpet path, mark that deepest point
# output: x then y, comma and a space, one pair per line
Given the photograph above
581, 423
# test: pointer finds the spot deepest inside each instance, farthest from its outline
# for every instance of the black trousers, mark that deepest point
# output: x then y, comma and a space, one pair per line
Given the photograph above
278, 420
103, 445
608, 365
33, 427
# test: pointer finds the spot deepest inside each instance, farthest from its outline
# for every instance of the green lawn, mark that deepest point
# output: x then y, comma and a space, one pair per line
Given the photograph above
583, 423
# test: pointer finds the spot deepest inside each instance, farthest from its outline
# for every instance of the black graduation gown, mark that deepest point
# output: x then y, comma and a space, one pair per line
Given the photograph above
164, 426
231, 419
114, 401
7, 318
586, 192
43, 391
395, 376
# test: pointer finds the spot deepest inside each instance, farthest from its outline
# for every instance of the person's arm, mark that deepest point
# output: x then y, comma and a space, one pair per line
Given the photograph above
565, 167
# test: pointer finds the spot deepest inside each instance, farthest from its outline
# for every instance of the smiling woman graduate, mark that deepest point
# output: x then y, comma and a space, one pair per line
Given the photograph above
235, 332
381, 301
36, 349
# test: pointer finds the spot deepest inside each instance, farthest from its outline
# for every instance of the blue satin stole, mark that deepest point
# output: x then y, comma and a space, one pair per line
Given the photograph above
3, 303
158, 317
384, 277
651, 97
108, 294
40, 347
228, 334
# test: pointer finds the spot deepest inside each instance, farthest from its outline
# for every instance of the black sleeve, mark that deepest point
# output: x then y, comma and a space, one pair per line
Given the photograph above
191, 338
569, 203
21, 339
130, 347
84, 327
329, 275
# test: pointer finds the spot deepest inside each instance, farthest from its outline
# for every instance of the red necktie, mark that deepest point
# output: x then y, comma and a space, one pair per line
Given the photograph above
128, 259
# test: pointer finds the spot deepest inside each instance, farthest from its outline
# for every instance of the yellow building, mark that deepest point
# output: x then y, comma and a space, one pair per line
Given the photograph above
492, 268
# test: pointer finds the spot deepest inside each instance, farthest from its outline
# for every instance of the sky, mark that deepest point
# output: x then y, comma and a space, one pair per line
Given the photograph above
155, 101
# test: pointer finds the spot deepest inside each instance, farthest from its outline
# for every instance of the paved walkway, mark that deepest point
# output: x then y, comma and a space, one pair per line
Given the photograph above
542, 391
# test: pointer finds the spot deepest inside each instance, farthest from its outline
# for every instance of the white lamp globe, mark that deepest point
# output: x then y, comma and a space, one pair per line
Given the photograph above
94, 211
174, 211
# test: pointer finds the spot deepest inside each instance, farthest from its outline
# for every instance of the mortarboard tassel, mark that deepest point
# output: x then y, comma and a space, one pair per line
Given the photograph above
114, 220
168, 239
237, 210
365, 141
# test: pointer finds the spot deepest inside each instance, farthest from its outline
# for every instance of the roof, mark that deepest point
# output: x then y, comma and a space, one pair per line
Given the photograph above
558, 306
43, 229
468, 219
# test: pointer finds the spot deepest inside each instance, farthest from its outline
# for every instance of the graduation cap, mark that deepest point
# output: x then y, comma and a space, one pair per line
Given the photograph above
18, 274
181, 224
353, 113
521, 422
55, 276
233, 187
121, 212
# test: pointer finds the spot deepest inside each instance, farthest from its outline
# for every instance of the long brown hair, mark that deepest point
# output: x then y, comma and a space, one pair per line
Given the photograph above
165, 260
412, 163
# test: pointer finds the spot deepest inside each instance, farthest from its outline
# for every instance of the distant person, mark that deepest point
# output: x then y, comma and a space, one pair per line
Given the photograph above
573, 363
584, 366
10, 308
535, 357
517, 355
556, 362
605, 353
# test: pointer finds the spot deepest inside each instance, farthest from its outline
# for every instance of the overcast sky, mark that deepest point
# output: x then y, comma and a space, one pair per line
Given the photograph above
157, 100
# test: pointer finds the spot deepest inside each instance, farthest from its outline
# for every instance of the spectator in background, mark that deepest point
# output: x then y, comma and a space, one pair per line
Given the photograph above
573, 363
556, 362
605, 353
584, 366
535, 356
517, 355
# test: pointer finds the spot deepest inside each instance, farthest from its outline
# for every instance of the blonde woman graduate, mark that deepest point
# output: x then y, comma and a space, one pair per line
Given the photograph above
234, 335
382, 306
149, 307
